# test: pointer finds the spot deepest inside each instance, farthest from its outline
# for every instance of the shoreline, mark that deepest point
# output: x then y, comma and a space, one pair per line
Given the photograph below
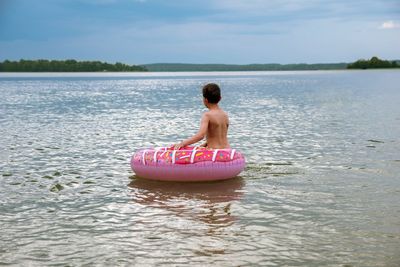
179, 73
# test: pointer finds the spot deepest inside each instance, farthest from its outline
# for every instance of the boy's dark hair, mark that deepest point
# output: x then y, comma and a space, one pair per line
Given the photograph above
212, 93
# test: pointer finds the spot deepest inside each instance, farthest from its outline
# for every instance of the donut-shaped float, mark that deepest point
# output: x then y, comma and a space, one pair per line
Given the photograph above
188, 164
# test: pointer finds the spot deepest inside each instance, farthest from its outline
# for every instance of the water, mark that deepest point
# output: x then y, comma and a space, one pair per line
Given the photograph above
321, 186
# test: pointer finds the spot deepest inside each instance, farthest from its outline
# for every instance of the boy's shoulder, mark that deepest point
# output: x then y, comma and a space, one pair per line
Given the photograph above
212, 113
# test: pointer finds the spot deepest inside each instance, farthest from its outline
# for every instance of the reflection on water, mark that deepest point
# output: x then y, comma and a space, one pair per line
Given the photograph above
206, 202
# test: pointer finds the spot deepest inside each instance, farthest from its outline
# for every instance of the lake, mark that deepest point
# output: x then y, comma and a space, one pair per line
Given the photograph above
321, 186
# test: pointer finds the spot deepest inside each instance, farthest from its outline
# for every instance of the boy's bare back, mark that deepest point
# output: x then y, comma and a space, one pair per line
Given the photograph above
217, 130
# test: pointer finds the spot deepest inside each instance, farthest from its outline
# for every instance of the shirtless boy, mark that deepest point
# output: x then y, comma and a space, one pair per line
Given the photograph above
214, 123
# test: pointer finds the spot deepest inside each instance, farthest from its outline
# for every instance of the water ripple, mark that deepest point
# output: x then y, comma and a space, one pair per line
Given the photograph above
320, 187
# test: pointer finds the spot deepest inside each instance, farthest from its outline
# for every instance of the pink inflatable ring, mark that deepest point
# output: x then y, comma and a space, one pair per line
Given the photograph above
188, 164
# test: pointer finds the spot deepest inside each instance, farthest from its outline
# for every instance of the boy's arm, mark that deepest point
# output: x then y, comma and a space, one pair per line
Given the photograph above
199, 135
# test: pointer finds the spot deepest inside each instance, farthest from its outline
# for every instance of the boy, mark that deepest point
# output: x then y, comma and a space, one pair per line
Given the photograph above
214, 123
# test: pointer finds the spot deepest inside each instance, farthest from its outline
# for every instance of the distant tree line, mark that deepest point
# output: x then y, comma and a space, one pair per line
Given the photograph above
373, 63
72, 65
250, 67
69, 65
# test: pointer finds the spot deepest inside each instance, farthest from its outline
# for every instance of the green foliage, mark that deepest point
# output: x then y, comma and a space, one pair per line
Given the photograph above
373, 63
72, 65
69, 65
250, 67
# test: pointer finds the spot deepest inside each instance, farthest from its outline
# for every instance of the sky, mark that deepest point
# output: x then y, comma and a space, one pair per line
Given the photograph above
200, 31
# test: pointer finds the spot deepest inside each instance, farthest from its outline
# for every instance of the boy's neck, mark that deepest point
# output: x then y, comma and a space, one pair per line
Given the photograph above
212, 106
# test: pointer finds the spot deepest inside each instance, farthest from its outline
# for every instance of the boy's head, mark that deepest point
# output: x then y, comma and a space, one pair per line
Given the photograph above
212, 93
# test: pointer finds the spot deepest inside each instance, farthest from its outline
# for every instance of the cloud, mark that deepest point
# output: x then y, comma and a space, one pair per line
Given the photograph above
262, 5
207, 31
390, 24
295, 9
109, 2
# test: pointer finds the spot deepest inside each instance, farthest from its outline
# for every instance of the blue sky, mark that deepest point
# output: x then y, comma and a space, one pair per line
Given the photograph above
204, 31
